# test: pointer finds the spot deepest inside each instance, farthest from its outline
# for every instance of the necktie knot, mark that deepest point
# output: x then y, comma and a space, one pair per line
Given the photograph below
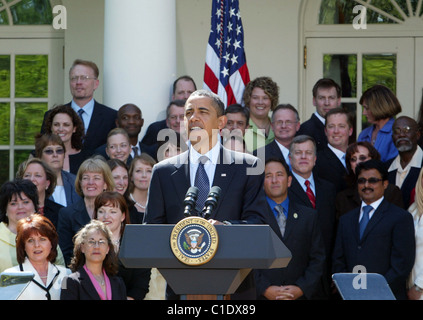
307, 183
202, 160
80, 113
135, 149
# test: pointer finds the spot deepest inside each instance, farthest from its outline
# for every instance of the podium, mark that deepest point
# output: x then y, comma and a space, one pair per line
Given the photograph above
241, 248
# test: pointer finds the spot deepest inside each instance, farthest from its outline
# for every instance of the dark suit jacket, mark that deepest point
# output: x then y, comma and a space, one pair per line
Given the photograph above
271, 150
51, 211
387, 246
241, 201
303, 238
150, 137
325, 206
329, 167
409, 182
314, 128
71, 219
102, 121
78, 286
69, 186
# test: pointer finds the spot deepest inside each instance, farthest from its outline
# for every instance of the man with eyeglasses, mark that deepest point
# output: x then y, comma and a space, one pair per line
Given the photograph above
98, 119
285, 124
377, 235
404, 169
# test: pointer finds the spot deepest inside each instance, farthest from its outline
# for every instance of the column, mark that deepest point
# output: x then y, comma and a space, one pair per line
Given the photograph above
140, 55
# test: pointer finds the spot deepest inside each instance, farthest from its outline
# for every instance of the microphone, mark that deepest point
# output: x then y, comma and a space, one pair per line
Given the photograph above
211, 201
190, 200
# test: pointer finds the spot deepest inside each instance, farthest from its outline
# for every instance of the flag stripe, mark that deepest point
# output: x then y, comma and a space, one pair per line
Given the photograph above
226, 72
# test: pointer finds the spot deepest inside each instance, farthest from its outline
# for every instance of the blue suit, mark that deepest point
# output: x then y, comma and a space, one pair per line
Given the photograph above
387, 246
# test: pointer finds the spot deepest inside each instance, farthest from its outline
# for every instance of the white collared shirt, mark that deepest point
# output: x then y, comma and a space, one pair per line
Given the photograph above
285, 152
339, 154
88, 112
375, 205
209, 166
416, 161
320, 117
302, 181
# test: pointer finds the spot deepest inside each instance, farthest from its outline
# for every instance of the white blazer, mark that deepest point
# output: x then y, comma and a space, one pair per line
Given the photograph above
33, 291
416, 276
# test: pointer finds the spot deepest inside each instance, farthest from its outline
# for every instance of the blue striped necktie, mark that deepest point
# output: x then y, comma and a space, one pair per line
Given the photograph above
202, 183
364, 219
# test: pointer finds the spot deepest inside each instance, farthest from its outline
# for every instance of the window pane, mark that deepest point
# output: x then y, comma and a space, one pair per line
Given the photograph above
342, 68
341, 11
4, 166
3, 18
20, 156
380, 69
4, 124
29, 117
4, 76
31, 76
32, 12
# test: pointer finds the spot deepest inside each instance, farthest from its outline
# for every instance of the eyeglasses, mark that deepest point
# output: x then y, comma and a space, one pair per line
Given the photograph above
370, 180
81, 78
404, 130
93, 243
287, 123
51, 151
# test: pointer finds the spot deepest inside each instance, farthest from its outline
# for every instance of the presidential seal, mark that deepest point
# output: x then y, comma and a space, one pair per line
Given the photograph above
194, 241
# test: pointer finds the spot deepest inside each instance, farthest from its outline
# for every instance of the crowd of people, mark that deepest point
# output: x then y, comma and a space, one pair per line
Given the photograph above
334, 201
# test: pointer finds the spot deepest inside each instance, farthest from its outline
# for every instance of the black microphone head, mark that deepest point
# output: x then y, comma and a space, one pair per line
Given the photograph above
193, 192
215, 191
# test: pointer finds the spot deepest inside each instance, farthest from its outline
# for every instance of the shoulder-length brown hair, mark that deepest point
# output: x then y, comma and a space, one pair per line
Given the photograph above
33, 225
110, 263
381, 101
116, 200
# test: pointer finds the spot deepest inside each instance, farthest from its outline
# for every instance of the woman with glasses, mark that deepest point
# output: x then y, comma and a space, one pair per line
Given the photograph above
349, 198
36, 251
65, 122
44, 178
112, 210
94, 266
50, 148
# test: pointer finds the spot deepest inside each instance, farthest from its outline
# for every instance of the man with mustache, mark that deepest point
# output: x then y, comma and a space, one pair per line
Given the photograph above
404, 170
378, 235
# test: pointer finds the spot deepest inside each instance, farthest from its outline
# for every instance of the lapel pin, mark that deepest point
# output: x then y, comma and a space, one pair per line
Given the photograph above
223, 175
295, 215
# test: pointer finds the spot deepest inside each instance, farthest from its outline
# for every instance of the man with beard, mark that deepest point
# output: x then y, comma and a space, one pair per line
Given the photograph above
403, 170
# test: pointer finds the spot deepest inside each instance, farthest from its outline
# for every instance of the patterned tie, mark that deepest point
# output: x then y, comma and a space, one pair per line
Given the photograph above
281, 218
364, 219
310, 194
135, 151
202, 183
80, 113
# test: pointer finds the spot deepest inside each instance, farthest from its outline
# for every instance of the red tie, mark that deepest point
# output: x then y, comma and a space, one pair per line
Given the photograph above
310, 194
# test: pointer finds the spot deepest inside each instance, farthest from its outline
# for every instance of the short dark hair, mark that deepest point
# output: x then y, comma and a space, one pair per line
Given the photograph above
279, 160
16, 187
326, 83
216, 101
178, 103
237, 108
339, 110
286, 107
186, 78
373, 164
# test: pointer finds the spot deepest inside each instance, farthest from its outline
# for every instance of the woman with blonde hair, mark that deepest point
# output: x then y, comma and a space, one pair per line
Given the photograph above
93, 177
415, 283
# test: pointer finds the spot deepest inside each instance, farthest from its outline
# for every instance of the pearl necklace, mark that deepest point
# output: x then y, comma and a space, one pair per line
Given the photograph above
136, 203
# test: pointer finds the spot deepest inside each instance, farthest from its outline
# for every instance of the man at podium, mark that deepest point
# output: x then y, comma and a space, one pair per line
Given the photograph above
207, 164
204, 165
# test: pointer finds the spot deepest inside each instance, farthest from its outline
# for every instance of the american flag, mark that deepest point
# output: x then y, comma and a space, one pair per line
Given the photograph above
226, 72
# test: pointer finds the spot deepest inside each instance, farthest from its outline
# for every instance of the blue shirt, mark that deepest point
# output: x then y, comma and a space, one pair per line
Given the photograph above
383, 143
88, 112
273, 204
